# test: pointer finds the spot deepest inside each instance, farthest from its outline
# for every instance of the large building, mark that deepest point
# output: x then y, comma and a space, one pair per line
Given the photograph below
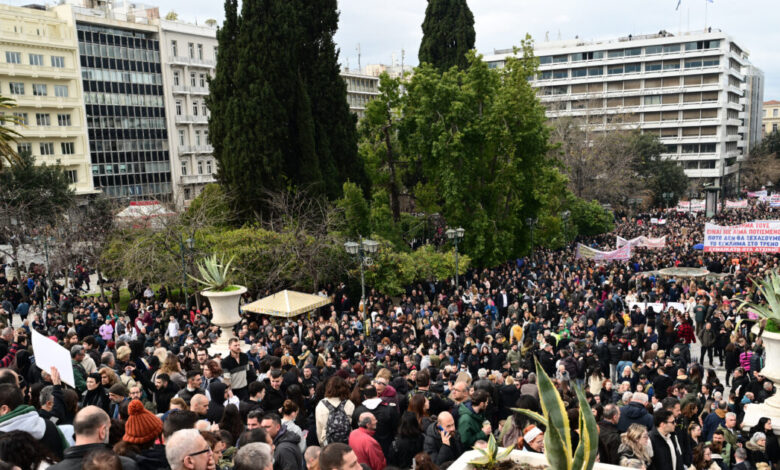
771, 117
361, 89
39, 70
697, 92
189, 55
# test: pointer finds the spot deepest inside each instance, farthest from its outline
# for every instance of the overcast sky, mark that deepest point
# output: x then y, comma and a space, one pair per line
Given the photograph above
385, 27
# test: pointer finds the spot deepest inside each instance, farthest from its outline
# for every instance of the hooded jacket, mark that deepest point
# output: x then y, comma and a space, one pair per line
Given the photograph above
26, 418
387, 416
470, 425
439, 452
287, 453
216, 404
632, 413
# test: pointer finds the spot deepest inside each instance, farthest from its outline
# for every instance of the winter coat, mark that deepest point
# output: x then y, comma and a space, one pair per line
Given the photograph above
470, 425
287, 452
634, 413
26, 418
404, 449
609, 441
367, 449
97, 397
439, 452
707, 338
387, 417
627, 457
152, 458
321, 414
216, 404
662, 457
75, 455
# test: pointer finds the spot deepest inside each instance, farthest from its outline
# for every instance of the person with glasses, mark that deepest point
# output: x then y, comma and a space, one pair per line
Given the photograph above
667, 453
188, 450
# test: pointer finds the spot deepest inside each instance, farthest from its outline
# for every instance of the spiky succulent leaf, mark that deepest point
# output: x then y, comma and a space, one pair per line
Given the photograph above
585, 456
557, 440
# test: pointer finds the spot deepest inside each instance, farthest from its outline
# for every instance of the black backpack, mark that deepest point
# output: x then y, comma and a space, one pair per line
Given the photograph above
338, 425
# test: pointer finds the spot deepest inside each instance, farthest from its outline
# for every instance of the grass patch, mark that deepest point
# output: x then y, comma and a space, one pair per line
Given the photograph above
771, 326
125, 296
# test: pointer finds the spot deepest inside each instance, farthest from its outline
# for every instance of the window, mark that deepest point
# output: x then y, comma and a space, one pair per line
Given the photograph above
194, 109
579, 73
24, 147
545, 59
200, 51
21, 118
671, 48
710, 62
174, 48
652, 99
187, 194
72, 175
61, 91
208, 167
671, 65
58, 61
197, 138
184, 168
63, 120
694, 63
653, 50
182, 137
587, 56
615, 54
47, 148
192, 79
614, 69
592, 71
561, 74
200, 168
176, 78
633, 68
192, 50
215, 52
39, 89
559, 59
633, 52
774, 112
178, 107
36, 59
652, 66
203, 80
67, 148
13, 57
17, 88
206, 134
42, 119
545, 75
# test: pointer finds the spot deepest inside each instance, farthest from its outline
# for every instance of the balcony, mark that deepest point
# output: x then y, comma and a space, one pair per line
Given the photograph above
184, 149
36, 71
197, 179
180, 90
45, 101
184, 90
193, 62
190, 119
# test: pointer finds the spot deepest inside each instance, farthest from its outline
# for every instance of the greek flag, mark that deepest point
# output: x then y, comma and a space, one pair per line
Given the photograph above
678, 5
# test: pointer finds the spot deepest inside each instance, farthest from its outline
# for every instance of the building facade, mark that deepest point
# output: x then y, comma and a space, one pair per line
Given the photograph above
771, 118
121, 76
697, 92
39, 70
189, 55
361, 89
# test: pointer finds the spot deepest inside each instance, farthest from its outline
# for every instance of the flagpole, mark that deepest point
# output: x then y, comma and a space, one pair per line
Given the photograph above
705, 14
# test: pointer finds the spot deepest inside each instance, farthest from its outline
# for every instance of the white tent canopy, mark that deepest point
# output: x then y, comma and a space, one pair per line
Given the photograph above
143, 214
287, 303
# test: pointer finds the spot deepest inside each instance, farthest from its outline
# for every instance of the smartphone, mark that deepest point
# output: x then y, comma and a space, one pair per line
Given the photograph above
441, 429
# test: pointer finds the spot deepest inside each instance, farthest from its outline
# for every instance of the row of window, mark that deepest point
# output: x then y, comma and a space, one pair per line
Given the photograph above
130, 168
195, 105
109, 122
122, 99
630, 52
47, 148
629, 68
362, 84
103, 75
195, 79
185, 167
194, 51
775, 112
160, 190
119, 52
38, 89
34, 59
198, 141
43, 119
128, 145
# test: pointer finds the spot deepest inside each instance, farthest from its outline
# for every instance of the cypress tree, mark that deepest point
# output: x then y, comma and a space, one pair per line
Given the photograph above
448, 33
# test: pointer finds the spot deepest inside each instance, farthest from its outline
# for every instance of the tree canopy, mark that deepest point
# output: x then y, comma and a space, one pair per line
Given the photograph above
448, 34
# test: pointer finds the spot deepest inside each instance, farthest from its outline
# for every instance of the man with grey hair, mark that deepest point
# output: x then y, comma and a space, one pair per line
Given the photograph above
186, 449
740, 457
609, 436
635, 412
530, 388
254, 456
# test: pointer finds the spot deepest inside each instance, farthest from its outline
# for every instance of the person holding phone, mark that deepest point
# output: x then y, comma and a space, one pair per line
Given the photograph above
442, 441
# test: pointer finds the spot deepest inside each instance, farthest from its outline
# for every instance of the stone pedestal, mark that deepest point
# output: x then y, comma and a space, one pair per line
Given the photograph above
771, 407
224, 314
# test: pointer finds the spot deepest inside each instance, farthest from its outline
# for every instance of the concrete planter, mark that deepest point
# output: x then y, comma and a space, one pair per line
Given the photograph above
771, 407
224, 314
518, 457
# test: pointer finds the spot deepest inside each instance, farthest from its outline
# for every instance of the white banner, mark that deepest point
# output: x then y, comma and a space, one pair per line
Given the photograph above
657, 221
49, 354
696, 205
675, 305
737, 204
758, 194
760, 236
621, 254
642, 241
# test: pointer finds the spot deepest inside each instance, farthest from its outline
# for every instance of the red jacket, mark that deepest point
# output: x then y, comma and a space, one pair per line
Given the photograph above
367, 449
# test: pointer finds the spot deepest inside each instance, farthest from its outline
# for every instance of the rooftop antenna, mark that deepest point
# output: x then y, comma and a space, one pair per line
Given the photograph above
559, 34
546, 36
358, 52
403, 55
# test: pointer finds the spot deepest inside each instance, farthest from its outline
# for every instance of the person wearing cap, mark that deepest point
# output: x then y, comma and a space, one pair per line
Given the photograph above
532, 439
142, 430
117, 395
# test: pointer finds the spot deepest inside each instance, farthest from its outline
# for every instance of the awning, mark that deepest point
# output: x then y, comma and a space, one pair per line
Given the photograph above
287, 303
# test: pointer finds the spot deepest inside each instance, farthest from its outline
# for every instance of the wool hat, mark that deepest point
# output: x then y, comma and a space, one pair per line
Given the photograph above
118, 389
142, 426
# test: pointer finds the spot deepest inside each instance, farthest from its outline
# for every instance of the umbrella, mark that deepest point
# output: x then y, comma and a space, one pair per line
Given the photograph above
287, 304
698, 246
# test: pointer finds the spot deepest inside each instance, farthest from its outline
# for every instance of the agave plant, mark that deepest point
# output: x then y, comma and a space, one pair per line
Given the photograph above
214, 273
769, 288
557, 437
490, 456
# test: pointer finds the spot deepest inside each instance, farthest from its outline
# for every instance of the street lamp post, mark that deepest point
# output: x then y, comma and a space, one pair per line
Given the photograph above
362, 251
565, 215
667, 197
530, 222
185, 250
456, 235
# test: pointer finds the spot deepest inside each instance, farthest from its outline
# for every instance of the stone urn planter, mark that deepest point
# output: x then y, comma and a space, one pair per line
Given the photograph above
771, 407
517, 460
224, 314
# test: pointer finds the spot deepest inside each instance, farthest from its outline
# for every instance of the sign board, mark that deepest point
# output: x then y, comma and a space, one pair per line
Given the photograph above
49, 354
621, 254
760, 236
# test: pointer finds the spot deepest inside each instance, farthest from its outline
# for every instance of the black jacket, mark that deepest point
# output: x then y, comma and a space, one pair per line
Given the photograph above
162, 398
97, 397
404, 449
287, 454
74, 455
609, 441
152, 459
387, 417
440, 453
662, 457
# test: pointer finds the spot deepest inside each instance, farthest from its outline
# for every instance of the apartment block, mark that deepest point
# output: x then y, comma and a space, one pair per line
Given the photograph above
189, 55
361, 89
771, 118
696, 91
39, 70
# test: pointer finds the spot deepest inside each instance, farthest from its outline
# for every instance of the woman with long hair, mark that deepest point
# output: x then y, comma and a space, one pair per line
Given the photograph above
231, 422
634, 447
336, 394
702, 458
764, 425
408, 442
694, 433
420, 406
19, 448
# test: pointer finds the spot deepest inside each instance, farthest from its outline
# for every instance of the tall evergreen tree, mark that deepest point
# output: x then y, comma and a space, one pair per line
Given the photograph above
280, 118
448, 34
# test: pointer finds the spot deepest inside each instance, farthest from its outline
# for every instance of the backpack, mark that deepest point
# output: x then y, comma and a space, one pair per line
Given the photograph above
338, 425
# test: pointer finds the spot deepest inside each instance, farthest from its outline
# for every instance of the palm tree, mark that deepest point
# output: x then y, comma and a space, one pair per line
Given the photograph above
8, 155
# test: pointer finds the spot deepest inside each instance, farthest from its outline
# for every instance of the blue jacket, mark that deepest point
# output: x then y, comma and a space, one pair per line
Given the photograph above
710, 424
634, 413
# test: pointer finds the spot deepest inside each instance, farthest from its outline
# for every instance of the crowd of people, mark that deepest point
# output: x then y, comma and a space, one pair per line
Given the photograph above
414, 382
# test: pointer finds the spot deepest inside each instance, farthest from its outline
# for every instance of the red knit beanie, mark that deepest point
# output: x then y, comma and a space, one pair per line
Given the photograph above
142, 426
